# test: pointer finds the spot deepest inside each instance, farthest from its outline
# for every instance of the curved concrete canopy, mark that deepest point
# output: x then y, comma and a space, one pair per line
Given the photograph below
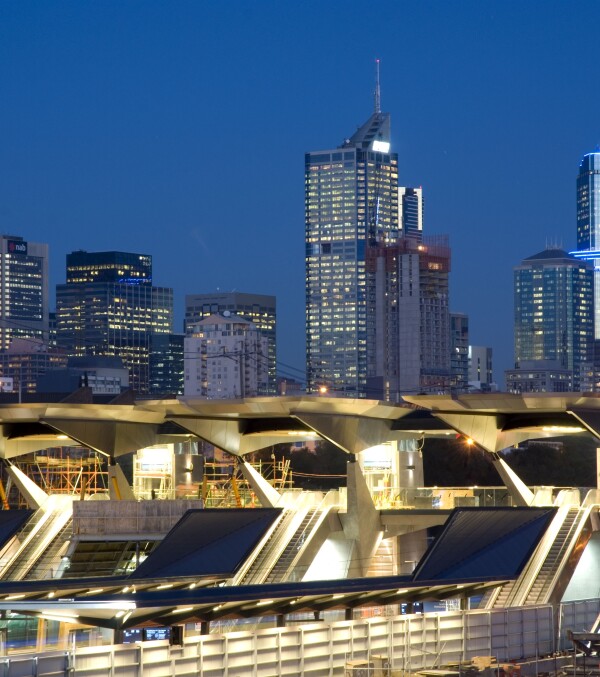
494, 421
237, 426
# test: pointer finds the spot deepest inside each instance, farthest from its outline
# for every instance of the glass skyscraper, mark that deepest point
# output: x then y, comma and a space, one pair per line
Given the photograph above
110, 307
588, 223
410, 207
351, 201
554, 312
23, 290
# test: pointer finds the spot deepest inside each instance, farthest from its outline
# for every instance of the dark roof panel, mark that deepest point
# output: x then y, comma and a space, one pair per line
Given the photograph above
11, 521
209, 541
484, 543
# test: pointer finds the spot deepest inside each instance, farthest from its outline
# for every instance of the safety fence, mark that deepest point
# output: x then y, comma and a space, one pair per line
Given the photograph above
409, 643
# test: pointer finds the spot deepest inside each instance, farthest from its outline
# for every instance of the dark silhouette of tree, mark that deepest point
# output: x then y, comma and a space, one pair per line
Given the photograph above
454, 463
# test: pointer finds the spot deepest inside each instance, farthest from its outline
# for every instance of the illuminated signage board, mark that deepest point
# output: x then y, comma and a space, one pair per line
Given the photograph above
16, 247
381, 146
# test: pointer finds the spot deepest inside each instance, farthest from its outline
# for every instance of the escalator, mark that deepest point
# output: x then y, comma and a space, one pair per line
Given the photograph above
35, 537
291, 550
48, 565
259, 567
536, 582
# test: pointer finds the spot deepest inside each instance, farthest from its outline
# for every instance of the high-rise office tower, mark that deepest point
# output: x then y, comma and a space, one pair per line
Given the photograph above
110, 307
554, 313
410, 212
588, 223
23, 290
260, 309
351, 202
408, 333
480, 367
459, 352
166, 365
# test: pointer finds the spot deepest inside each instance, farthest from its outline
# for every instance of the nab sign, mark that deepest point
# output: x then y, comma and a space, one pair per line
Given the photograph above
16, 247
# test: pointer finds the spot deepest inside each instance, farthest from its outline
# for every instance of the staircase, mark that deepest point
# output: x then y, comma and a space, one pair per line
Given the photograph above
536, 581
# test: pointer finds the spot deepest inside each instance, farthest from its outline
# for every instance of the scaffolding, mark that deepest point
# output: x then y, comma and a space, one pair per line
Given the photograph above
224, 486
63, 470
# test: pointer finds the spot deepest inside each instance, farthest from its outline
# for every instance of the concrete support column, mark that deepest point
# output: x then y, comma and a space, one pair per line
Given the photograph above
362, 523
42, 630
118, 487
266, 494
33, 495
515, 485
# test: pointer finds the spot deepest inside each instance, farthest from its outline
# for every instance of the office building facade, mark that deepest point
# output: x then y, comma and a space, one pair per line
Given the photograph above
409, 320
553, 312
103, 375
23, 290
25, 361
459, 352
410, 212
260, 309
539, 376
351, 203
166, 365
225, 358
481, 374
110, 307
588, 223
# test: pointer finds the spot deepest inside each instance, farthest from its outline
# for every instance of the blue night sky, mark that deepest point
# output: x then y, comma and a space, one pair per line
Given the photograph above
178, 129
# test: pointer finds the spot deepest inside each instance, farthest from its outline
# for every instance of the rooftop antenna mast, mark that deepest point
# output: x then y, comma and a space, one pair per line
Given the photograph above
377, 89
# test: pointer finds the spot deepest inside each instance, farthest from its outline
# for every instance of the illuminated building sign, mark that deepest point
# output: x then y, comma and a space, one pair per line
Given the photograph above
16, 247
381, 146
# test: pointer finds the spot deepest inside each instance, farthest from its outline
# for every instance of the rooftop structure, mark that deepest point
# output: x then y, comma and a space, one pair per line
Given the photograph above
123, 564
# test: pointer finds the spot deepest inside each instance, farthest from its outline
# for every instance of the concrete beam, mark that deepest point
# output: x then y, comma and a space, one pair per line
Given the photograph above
33, 495
118, 487
484, 429
590, 420
230, 436
352, 434
520, 493
112, 438
268, 496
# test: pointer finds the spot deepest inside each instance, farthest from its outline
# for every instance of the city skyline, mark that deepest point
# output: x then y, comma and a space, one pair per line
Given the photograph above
126, 124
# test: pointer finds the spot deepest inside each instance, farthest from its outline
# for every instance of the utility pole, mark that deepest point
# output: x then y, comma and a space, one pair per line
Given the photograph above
242, 367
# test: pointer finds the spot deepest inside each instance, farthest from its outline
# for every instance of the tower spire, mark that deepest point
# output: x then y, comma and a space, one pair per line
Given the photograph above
377, 89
